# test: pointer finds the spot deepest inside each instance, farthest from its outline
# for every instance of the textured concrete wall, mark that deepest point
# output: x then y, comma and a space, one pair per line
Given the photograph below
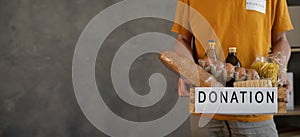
37, 41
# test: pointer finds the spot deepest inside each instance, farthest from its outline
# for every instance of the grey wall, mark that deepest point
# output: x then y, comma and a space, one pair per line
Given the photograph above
37, 41
293, 2
293, 35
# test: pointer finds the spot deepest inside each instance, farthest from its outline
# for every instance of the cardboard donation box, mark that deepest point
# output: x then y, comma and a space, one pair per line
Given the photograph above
250, 94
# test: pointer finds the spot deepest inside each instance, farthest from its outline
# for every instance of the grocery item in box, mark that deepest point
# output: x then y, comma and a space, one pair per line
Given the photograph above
268, 67
196, 75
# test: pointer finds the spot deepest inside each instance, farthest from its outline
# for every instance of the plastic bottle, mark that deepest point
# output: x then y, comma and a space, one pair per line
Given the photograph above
211, 51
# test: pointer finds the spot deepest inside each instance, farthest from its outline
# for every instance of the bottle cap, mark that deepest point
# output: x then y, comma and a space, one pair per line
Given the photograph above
232, 49
212, 42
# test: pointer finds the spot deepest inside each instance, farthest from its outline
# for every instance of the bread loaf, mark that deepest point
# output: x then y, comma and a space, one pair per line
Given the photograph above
196, 75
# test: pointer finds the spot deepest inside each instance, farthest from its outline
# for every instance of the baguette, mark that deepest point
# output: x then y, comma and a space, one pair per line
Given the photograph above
195, 74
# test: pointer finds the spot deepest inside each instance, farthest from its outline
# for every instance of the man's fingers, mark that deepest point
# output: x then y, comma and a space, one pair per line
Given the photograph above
185, 81
182, 89
288, 88
281, 82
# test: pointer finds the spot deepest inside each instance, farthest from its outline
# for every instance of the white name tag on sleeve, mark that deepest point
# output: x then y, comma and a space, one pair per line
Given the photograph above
257, 5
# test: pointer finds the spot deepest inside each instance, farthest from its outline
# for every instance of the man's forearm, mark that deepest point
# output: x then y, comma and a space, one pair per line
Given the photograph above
183, 45
281, 45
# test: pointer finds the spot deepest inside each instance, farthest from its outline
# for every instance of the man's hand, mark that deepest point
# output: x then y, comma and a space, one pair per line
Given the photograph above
284, 81
183, 90
183, 46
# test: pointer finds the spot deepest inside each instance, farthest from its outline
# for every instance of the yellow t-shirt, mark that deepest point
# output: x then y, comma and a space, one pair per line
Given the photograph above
248, 30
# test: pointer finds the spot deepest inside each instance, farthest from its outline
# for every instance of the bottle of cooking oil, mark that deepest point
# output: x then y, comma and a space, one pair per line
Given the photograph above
232, 59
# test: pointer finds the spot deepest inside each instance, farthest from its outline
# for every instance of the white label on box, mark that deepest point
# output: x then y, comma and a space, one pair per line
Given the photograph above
257, 5
223, 100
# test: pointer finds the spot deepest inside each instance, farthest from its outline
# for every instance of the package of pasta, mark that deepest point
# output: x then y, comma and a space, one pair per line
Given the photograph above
268, 67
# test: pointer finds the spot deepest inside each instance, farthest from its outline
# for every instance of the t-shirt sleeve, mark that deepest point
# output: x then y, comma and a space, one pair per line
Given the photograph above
181, 22
282, 21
